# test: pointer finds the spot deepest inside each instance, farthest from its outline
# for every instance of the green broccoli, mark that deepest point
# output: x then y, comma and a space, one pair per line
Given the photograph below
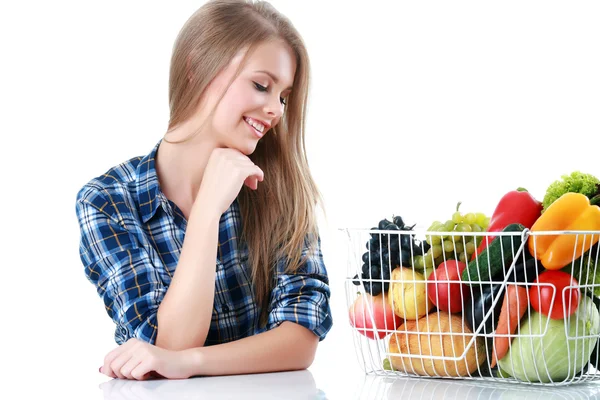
577, 182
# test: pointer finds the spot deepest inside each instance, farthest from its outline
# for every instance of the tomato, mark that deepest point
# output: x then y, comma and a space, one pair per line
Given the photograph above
445, 295
373, 316
566, 300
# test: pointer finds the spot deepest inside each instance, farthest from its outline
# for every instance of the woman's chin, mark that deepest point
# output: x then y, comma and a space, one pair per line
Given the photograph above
248, 148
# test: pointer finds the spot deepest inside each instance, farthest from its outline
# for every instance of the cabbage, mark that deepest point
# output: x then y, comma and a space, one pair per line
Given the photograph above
556, 355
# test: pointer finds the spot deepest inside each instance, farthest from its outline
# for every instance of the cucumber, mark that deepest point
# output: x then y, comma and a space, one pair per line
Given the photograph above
494, 257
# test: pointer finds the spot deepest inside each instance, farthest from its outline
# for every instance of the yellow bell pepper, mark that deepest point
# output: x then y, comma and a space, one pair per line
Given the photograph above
571, 212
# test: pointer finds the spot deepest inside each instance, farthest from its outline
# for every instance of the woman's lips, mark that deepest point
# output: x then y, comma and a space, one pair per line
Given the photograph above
257, 133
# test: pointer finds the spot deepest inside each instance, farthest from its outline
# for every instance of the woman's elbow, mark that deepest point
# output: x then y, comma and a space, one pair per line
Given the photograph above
307, 343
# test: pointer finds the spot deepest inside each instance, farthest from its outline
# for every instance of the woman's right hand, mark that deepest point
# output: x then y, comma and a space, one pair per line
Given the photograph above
226, 171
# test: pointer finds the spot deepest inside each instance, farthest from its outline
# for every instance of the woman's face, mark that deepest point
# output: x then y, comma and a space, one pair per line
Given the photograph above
254, 96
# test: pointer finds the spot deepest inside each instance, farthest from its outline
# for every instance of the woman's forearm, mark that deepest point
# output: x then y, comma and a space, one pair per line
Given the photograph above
185, 313
285, 348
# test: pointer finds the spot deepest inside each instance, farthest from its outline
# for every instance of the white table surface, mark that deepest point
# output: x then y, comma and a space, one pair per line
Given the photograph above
308, 385
314, 383
305, 385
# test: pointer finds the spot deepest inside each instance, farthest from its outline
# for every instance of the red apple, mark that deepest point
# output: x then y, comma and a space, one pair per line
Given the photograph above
444, 286
373, 316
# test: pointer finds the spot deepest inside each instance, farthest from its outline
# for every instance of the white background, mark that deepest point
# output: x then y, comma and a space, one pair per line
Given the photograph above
414, 106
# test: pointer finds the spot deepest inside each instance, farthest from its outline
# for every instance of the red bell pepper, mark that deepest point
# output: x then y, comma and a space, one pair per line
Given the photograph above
515, 207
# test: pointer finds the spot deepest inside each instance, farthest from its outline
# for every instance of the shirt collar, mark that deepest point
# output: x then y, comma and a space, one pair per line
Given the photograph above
147, 185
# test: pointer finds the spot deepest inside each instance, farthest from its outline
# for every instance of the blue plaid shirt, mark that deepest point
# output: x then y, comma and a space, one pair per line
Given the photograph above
131, 238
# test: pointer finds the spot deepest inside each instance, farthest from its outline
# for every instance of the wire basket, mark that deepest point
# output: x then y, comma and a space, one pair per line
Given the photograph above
498, 314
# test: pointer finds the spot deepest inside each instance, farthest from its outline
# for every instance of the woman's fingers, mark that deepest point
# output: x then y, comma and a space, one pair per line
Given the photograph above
251, 182
110, 357
117, 364
129, 366
259, 173
115, 359
140, 361
255, 175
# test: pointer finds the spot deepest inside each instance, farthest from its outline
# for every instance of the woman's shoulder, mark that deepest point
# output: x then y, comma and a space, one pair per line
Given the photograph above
118, 189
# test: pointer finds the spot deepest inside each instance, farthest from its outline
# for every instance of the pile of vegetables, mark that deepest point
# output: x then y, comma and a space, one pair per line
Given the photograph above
522, 305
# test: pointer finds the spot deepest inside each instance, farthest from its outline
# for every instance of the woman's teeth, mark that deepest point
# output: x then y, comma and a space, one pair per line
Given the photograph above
259, 127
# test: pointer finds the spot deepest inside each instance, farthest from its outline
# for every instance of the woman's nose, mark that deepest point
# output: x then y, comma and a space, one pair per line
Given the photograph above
274, 108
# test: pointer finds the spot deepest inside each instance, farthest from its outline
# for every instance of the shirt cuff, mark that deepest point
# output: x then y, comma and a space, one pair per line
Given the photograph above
303, 300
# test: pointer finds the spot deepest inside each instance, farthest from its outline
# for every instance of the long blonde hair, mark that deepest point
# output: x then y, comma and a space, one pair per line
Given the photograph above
279, 219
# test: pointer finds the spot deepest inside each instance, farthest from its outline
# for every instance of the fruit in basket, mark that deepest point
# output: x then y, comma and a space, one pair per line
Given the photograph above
548, 351
387, 365
454, 247
374, 279
439, 334
408, 295
385, 252
496, 258
576, 182
571, 212
563, 289
372, 316
515, 207
444, 288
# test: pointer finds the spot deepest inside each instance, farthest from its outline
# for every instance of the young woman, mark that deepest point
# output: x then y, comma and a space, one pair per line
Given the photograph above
206, 251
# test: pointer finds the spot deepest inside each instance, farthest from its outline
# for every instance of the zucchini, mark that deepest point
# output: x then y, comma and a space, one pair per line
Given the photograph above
494, 257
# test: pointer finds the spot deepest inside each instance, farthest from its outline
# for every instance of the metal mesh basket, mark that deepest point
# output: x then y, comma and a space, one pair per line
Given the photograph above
499, 315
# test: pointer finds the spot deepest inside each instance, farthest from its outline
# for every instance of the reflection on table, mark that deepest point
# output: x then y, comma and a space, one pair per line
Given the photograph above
295, 385
381, 388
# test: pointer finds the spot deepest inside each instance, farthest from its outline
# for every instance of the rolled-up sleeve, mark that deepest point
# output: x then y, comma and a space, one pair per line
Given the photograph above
121, 271
303, 297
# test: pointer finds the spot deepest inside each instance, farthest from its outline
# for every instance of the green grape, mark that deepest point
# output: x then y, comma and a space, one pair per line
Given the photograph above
470, 218
434, 225
448, 246
459, 247
480, 219
428, 260
457, 217
486, 223
436, 250
418, 262
449, 226
470, 249
463, 228
462, 257
387, 365
434, 239
476, 228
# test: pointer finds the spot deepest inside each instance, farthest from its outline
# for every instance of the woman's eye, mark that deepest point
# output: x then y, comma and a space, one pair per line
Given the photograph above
262, 88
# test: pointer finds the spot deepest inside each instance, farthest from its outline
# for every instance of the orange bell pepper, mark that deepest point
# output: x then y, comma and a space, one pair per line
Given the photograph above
571, 212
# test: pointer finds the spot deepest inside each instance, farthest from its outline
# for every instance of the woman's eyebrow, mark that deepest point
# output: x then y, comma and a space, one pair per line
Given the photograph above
275, 79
